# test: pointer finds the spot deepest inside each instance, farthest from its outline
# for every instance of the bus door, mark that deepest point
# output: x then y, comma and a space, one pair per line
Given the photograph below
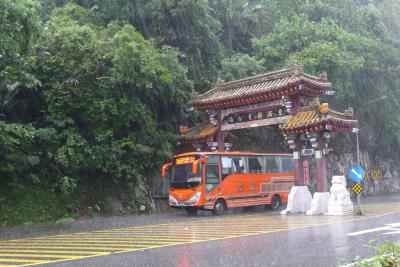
212, 176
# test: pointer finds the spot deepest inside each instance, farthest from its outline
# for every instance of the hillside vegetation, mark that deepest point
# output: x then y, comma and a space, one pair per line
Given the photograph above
92, 91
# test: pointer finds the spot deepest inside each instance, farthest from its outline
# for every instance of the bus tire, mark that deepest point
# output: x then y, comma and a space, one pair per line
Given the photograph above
192, 211
276, 202
219, 207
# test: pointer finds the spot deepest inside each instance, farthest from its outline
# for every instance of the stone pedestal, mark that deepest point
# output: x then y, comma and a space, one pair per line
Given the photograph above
340, 209
339, 201
319, 203
299, 200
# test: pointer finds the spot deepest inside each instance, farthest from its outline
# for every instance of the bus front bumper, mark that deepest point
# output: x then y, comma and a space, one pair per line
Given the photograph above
178, 204
190, 202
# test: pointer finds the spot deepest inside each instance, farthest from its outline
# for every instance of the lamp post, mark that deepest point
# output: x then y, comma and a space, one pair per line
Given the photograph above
356, 130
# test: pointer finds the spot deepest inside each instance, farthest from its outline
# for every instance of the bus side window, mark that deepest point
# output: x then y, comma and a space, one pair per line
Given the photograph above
238, 165
255, 165
212, 179
272, 164
226, 166
287, 164
212, 159
263, 164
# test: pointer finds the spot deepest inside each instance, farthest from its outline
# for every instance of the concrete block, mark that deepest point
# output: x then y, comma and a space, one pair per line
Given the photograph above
299, 200
319, 203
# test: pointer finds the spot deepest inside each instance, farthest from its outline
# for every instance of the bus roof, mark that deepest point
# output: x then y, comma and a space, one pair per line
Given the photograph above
231, 153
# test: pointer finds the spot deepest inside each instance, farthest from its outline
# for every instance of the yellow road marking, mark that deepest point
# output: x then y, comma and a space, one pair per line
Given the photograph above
110, 237
157, 234
177, 237
203, 230
188, 230
92, 244
91, 256
37, 256
183, 234
187, 235
96, 243
143, 237
89, 247
23, 261
161, 234
197, 230
61, 252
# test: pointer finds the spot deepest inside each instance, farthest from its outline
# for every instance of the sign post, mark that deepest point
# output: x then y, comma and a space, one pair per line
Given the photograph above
357, 174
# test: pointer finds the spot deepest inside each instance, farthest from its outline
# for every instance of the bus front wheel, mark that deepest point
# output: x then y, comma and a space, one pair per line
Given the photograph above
219, 207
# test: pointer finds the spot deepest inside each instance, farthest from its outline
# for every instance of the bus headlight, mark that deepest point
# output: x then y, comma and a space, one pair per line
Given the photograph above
194, 198
171, 198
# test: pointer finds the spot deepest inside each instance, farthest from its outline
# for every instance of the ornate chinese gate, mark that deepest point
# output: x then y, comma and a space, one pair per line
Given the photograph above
287, 98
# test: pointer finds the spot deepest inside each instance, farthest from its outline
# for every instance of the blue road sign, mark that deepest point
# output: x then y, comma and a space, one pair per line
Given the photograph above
356, 173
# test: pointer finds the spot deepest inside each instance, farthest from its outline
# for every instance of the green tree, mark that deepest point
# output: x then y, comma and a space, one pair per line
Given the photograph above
389, 10
189, 26
240, 66
113, 98
19, 24
361, 67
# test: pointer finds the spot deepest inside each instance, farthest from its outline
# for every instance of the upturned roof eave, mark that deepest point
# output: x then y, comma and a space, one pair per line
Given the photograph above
289, 77
194, 133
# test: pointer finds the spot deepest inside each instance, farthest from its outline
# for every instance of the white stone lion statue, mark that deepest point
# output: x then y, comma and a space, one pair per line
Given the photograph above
339, 193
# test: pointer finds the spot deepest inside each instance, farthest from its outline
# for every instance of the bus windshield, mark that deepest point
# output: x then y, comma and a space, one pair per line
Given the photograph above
184, 178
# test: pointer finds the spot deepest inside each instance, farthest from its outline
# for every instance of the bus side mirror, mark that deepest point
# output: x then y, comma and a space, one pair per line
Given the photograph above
196, 164
165, 168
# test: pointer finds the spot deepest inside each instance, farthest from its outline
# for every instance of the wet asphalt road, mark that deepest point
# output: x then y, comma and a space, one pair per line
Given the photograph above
325, 245
238, 239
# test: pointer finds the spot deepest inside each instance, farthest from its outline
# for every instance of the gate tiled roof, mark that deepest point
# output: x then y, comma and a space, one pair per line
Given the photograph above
312, 120
198, 132
268, 86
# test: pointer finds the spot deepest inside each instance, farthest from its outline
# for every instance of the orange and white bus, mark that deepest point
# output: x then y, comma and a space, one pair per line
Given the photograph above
217, 181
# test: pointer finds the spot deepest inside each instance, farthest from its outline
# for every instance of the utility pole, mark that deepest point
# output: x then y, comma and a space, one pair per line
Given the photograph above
356, 130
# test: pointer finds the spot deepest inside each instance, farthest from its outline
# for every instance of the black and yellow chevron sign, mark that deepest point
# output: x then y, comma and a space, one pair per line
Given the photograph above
357, 188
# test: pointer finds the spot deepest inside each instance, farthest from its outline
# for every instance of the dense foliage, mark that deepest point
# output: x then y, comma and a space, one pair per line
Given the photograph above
386, 254
92, 91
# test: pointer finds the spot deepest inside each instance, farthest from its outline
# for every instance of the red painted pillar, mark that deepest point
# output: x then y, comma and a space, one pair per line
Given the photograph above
298, 168
322, 179
220, 134
297, 158
220, 141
